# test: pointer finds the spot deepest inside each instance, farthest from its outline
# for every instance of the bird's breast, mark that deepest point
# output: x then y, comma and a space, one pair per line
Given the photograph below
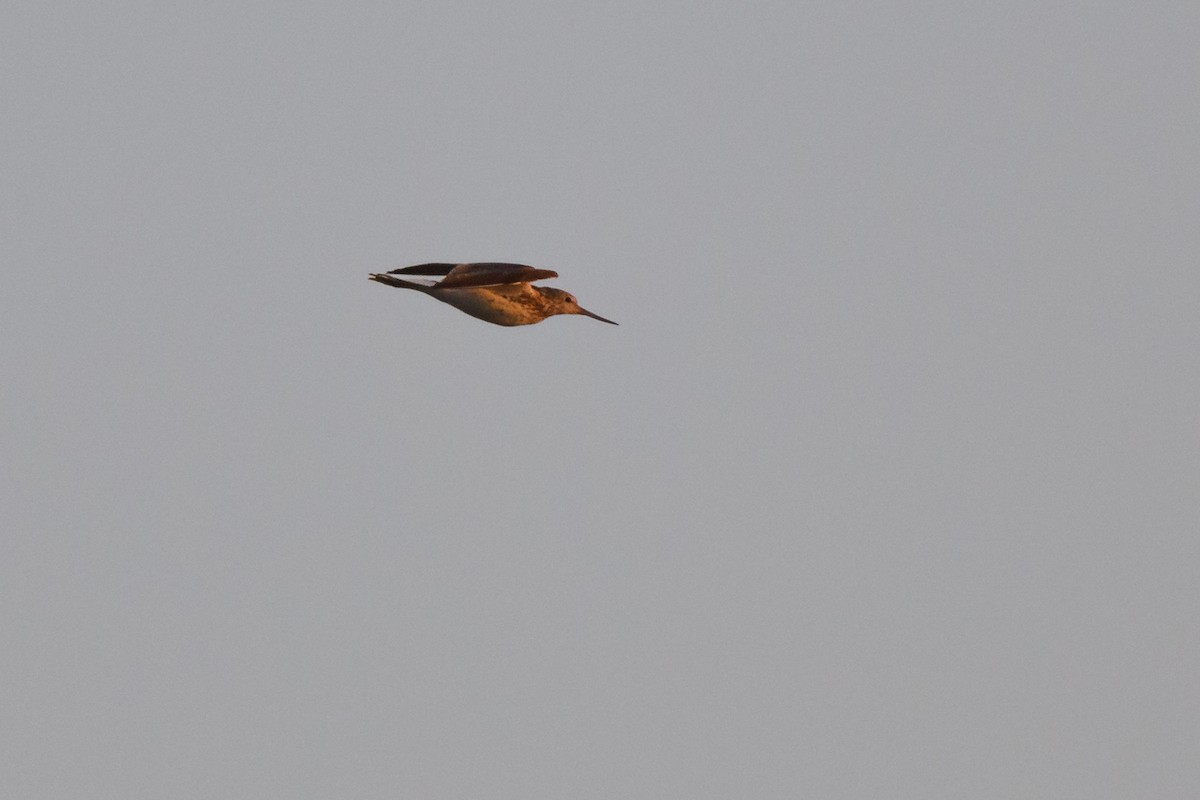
500, 305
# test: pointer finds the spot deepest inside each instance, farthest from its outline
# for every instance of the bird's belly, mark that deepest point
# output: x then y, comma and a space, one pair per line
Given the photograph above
490, 306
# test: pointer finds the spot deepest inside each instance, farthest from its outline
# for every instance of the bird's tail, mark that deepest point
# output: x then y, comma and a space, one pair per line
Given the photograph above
400, 283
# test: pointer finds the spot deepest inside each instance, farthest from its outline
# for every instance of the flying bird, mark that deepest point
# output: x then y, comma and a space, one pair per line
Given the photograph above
502, 294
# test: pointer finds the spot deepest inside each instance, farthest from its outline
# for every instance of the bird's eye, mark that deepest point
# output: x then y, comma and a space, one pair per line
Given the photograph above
570, 299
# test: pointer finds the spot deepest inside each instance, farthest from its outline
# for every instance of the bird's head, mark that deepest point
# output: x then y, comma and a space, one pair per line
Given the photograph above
565, 303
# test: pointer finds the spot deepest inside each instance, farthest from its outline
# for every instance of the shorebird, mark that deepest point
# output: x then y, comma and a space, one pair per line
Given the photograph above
502, 294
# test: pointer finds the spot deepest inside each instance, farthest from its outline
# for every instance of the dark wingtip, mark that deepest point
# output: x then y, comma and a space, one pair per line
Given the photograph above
424, 269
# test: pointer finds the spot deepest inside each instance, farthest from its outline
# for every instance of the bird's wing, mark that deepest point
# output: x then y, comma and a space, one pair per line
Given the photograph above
424, 269
401, 283
491, 274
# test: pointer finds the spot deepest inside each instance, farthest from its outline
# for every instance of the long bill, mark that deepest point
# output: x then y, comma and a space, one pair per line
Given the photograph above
587, 313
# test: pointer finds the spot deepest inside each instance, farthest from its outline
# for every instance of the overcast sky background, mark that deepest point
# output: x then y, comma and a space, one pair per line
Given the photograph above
888, 484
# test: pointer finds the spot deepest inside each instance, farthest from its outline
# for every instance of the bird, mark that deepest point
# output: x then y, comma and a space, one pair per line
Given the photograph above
502, 294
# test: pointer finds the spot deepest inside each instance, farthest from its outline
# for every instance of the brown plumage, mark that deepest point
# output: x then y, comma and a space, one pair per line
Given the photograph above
494, 292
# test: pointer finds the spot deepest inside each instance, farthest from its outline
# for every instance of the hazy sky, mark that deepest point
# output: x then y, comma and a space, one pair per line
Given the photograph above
887, 485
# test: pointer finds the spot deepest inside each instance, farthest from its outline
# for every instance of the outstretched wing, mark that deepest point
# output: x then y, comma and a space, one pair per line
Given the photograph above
424, 269
483, 273
419, 284
492, 274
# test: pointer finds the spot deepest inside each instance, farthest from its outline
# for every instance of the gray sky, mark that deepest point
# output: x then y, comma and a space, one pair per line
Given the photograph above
887, 485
